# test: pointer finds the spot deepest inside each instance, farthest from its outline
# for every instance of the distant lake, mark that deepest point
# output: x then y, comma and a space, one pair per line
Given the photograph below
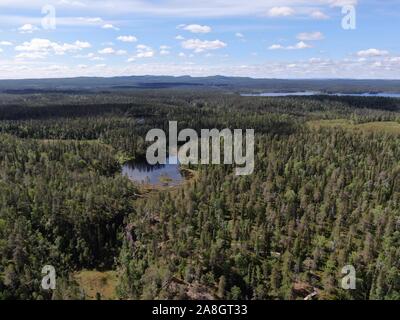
142, 172
313, 93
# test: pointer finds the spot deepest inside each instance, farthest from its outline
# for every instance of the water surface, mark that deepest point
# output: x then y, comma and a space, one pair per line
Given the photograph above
156, 175
314, 93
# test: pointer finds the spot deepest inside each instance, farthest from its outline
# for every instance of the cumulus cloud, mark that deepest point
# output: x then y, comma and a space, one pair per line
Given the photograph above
164, 50
319, 15
342, 3
310, 68
143, 51
372, 53
184, 8
91, 56
27, 28
281, 12
5, 43
195, 28
40, 48
394, 59
199, 46
127, 38
298, 46
110, 26
276, 47
239, 35
72, 3
31, 55
110, 50
106, 51
312, 36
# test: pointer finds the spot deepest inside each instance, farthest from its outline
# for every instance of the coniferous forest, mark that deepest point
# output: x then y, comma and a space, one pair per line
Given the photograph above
325, 194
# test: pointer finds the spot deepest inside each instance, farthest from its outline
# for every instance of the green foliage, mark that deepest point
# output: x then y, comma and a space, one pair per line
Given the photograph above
320, 198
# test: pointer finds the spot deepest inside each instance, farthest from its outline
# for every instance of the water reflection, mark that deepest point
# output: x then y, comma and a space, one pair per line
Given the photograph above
313, 93
142, 172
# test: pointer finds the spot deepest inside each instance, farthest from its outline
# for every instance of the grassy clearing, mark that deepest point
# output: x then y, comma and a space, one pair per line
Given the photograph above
389, 127
96, 283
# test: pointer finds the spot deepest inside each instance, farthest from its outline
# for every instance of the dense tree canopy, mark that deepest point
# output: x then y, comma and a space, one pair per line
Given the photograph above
319, 199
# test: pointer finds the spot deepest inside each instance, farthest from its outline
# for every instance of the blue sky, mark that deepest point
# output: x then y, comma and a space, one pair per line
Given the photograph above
256, 38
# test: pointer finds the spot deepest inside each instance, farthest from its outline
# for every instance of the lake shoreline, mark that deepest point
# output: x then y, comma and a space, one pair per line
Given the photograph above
317, 93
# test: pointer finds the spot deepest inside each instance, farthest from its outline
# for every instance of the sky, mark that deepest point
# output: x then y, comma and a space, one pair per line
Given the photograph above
254, 38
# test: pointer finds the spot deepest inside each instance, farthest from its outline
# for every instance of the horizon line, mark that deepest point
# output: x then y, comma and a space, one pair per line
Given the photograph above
200, 77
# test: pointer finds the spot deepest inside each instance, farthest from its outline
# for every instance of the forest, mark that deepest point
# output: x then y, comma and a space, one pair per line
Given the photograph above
325, 193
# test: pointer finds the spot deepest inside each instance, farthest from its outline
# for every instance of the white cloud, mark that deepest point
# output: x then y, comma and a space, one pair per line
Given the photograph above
239, 35
97, 58
315, 60
127, 38
179, 37
91, 20
107, 51
298, 46
309, 68
276, 47
91, 56
342, 3
40, 48
372, 53
195, 28
319, 15
164, 50
183, 8
110, 26
394, 59
82, 44
32, 23
72, 3
312, 36
6, 43
31, 55
281, 12
27, 28
143, 51
110, 50
203, 45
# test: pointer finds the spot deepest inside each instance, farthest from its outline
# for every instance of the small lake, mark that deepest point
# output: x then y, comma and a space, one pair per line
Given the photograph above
313, 93
156, 175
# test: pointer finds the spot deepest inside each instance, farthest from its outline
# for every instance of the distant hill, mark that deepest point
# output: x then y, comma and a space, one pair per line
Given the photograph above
238, 84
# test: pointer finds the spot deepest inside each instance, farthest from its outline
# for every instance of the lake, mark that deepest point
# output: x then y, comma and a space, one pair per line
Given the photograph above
156, 175
313, 93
